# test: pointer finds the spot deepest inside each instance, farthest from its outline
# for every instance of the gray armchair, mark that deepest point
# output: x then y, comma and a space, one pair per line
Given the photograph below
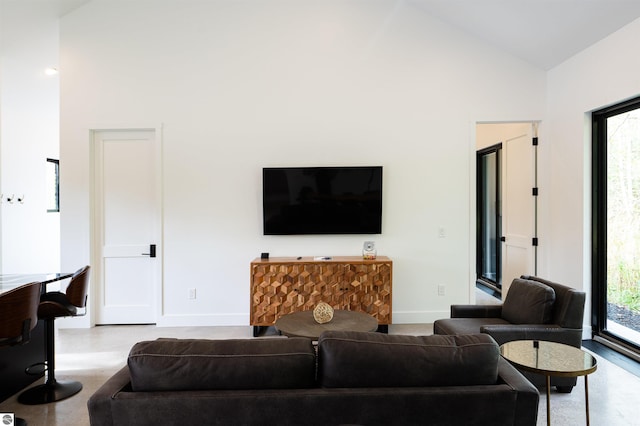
534, 309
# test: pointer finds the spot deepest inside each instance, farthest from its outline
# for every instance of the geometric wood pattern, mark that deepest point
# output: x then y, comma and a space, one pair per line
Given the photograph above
280, 286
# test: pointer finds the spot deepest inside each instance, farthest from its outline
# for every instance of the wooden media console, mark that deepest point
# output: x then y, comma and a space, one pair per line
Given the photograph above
283, 285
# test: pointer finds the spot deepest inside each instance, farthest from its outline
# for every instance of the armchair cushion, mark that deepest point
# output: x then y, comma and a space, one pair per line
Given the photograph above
476, 311
528, 302
568, 310
508, 333
451, 326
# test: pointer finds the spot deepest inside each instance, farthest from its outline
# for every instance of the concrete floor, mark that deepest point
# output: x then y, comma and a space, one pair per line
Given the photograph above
93, 355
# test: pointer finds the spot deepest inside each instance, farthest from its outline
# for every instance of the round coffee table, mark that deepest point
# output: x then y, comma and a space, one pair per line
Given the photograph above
551, 359
302, 324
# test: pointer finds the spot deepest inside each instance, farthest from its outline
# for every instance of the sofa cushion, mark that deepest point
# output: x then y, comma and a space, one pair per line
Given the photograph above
360, 359
195, 364
528, 302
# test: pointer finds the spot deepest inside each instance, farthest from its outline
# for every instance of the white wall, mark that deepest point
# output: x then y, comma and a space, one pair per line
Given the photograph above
239, 86
606, 73
29, 134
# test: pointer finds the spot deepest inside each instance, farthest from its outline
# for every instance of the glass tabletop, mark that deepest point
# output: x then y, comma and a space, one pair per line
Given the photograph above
555, 359
11, 281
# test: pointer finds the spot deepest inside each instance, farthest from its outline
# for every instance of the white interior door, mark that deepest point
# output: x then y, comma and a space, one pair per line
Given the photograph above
127, 226
518, 212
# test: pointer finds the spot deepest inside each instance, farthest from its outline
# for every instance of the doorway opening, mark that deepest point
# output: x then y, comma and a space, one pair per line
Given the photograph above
506, 204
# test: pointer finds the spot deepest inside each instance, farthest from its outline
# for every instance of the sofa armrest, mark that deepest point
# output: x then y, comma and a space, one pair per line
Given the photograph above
99, 404
476, 311
528, 396
548, 332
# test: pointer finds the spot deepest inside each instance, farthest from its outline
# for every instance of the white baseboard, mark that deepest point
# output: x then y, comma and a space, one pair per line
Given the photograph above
587, 332
203, 320
418, 317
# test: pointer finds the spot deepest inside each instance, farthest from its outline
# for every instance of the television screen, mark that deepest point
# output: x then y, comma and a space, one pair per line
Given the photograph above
322, 200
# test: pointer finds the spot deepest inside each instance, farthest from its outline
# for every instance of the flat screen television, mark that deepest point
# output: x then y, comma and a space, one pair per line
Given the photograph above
322, 200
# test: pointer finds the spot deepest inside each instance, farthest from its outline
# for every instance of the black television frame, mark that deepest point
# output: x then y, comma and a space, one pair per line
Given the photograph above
324, 213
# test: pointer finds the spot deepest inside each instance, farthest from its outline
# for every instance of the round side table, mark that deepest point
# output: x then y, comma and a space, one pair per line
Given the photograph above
551, 359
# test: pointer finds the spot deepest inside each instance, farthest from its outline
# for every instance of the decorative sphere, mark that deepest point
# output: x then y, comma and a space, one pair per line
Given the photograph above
323, 313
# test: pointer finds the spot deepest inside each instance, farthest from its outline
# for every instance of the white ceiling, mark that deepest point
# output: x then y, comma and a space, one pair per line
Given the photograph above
66, 6
544, 33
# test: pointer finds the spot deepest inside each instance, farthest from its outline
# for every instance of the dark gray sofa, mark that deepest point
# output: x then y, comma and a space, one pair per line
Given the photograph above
353, 378
534, 309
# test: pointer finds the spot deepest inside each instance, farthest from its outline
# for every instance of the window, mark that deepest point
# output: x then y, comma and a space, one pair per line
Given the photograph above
489, 217
53, 185
616, 224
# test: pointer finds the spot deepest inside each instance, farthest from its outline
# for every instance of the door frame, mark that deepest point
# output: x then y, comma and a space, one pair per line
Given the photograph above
96, 219
475, 147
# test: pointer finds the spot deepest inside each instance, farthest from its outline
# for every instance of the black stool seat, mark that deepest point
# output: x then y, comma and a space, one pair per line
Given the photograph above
53, 305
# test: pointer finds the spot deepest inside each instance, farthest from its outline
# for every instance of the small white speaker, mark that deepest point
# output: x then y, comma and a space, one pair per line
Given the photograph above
369, 250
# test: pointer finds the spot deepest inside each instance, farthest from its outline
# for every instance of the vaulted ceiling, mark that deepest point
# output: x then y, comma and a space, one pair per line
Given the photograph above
544, 33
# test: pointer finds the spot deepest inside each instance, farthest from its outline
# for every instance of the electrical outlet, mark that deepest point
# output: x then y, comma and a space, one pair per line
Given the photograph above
192, 294
441, 232
440, 289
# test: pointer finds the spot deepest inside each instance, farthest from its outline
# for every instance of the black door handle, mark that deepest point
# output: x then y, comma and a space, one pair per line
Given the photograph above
152, 251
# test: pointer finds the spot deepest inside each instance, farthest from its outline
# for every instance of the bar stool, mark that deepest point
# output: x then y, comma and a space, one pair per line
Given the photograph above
18, 316
53, 305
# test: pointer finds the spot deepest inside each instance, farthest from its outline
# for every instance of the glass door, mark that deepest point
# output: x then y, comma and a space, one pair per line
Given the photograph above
489, 218
616, 228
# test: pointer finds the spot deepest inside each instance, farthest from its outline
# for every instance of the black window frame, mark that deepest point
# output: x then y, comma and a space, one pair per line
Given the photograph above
599, 220
497, 284
56, 163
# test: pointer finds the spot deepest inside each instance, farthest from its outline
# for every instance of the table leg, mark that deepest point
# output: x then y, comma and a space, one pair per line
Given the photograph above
586, 396
549, 400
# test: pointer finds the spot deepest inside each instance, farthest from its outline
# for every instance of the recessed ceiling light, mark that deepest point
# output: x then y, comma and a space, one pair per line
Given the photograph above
51, 71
